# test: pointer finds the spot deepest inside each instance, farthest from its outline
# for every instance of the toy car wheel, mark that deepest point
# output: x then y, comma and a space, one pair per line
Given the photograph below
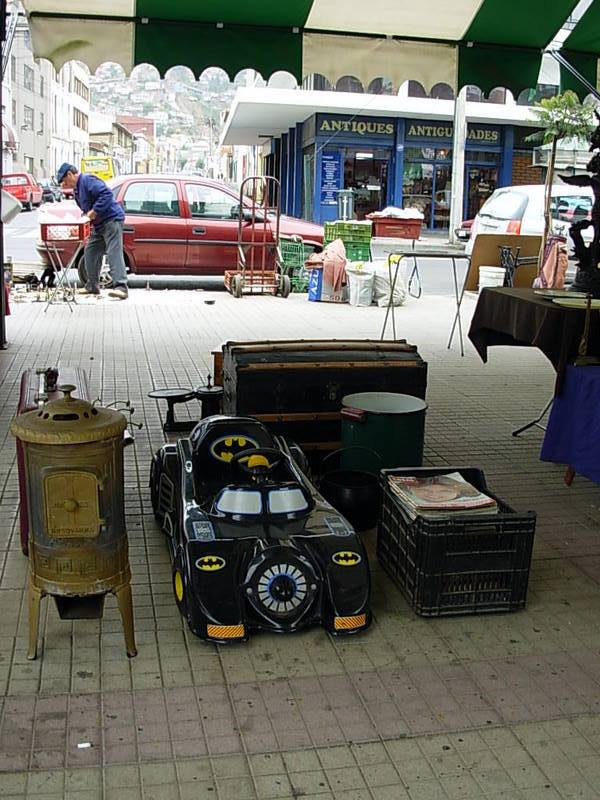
237, 286
285, 285
180, 586
29, 204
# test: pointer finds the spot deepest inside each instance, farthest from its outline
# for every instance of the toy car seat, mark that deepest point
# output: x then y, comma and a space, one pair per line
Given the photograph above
215, 441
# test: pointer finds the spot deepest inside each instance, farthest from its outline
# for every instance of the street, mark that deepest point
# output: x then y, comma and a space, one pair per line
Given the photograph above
22, 234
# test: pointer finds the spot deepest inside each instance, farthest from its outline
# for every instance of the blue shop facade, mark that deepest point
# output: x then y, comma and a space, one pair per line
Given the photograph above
389, 161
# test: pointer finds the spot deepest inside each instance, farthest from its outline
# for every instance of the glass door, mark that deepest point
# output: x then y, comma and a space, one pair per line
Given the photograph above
366, 172
441, 197
417, 188
481, 183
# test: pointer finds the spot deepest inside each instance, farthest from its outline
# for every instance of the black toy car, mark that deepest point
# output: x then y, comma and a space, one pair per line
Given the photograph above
254, 546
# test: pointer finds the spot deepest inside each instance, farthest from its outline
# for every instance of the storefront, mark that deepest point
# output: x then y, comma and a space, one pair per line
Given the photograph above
427, 167
345, 152
386, 161
400, 153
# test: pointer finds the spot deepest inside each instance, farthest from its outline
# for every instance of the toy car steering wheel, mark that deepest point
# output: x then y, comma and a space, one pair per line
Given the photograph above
272, 454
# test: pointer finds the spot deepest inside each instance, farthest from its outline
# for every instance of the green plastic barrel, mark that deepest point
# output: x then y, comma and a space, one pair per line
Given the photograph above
391, 424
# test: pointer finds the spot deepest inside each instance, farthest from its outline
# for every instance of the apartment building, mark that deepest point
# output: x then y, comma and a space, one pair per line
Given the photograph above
45, 114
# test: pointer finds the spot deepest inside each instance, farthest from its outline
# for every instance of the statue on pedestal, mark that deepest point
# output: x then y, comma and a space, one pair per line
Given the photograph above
587, 278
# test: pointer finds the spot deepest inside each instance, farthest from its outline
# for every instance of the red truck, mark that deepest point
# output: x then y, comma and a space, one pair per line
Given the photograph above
24, 188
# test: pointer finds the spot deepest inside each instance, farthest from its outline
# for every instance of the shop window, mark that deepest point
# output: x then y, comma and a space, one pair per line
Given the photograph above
381, 86
349, 84
441, 91
498, 96
474, 94
416, 90
529, 97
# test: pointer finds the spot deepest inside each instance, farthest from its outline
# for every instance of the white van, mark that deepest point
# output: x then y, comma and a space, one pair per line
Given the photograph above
520, 210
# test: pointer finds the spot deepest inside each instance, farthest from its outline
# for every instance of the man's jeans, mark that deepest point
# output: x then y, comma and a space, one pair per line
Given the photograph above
106, 238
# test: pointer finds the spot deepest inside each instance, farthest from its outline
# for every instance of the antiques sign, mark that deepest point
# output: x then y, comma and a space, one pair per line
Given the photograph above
430, 129
359, 126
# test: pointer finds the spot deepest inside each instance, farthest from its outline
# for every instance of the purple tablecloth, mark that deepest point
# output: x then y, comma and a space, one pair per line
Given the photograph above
573, 433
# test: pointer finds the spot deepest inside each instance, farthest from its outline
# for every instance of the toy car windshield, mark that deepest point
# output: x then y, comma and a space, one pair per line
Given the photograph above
253, 502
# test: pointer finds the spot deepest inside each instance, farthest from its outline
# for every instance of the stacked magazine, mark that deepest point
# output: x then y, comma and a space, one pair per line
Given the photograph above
440, 496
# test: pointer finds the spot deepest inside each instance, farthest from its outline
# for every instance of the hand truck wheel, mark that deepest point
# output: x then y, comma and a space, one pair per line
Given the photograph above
237, 286
285, 285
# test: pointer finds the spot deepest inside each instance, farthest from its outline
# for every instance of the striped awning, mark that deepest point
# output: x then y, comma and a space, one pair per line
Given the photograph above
488, 43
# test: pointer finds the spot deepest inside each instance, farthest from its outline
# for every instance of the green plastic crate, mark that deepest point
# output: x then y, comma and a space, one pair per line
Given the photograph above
358, 251
348, 231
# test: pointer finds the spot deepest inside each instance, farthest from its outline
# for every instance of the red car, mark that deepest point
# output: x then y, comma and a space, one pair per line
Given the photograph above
175, 224
24, 187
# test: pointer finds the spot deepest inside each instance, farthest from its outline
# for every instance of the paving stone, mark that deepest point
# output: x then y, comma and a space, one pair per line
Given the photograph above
515, 697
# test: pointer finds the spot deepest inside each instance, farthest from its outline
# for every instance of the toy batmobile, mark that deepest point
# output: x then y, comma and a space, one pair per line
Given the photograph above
253, 544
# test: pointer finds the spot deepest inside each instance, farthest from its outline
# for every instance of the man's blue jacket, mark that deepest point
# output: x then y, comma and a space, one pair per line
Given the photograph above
92, 193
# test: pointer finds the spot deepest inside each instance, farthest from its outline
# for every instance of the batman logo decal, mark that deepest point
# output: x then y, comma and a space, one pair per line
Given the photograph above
346, 558
210, 563
226, 447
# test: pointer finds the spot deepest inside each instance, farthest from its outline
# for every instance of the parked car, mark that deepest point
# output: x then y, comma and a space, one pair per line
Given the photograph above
184, 225
24, 187
520, 209
51, 191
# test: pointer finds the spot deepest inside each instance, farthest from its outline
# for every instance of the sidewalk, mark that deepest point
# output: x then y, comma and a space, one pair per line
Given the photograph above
498, 706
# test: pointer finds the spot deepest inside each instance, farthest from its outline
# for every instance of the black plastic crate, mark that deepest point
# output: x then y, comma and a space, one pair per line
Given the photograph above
461, 564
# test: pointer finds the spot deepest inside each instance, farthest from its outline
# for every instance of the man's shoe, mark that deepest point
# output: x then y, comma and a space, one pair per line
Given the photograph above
85, 290
120, 293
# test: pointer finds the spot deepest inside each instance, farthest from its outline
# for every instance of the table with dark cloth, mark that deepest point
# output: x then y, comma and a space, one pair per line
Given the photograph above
519, 317
573, 433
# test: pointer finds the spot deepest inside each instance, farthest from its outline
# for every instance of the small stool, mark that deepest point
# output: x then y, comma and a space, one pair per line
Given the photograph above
210, 397
173, 397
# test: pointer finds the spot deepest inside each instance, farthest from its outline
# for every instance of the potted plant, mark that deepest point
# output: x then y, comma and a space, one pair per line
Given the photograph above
560, 117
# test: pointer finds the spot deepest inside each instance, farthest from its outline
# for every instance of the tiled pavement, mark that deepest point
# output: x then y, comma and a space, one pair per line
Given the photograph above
501, 706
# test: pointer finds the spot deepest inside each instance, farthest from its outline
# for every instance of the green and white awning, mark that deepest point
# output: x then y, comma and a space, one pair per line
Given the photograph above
488, 43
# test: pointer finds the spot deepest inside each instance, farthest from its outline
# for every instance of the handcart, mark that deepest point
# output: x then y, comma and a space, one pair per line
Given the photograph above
259, 259
53, 234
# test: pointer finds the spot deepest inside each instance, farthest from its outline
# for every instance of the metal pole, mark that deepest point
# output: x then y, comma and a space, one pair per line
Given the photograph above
458, 162
563, 62
2, 289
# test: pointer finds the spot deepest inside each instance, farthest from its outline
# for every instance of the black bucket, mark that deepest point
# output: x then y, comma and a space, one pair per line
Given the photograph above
356, 494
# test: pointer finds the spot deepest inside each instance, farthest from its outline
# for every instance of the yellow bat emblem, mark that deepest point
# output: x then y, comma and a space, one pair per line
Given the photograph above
210, 563
346, 558
225, 448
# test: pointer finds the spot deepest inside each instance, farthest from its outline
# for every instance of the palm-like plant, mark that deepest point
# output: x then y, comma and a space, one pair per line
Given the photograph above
560, 117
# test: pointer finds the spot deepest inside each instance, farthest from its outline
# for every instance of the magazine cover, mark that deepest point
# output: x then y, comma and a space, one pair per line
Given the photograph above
441, 493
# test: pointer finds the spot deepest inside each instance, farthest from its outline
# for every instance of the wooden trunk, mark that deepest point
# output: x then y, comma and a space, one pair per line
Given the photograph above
296, 387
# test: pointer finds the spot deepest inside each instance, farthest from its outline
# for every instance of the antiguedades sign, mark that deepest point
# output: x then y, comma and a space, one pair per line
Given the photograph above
430, 129
355, 126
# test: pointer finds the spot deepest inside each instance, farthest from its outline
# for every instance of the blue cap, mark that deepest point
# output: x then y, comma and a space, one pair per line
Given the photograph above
62, 171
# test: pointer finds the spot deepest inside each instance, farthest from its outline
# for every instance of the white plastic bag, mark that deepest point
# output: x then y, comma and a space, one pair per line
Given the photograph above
382, 286
360, 284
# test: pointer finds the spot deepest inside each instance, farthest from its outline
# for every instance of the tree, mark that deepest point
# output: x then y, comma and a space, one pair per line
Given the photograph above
560, 117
